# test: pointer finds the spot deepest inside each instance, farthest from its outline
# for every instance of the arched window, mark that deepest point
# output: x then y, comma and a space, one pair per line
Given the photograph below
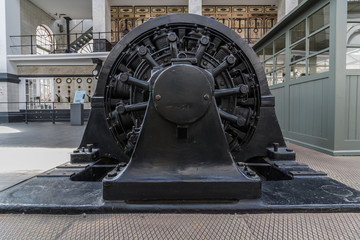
353, 46
44, 41
87, 48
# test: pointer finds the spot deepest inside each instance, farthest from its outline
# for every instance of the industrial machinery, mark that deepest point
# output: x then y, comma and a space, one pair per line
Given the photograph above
182, 114
183, 101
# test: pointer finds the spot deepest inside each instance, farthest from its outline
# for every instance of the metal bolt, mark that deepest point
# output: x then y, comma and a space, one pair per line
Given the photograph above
244, 89
157, 97
172, 37
206, 97
142, 51
121, 108
204, 40
123, 77
276, 147
90, 147
76, 151
231, 59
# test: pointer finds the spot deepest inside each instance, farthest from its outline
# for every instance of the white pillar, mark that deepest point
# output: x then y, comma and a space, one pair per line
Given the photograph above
9, 82
285, 7
9, 26
195, 6
101, 15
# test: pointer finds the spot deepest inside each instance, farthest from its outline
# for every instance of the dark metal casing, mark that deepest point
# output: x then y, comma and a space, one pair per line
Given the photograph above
182, 98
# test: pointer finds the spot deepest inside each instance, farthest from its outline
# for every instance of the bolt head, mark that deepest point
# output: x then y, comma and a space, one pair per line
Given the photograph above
240, 121
204, 40
121, 108
142, 51
244, 89
231, 59
123, 77
157, 97
206, 97
172, 37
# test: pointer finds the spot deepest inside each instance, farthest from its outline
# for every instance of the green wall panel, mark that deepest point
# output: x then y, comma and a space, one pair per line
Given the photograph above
352, 115
308, 108
279, 94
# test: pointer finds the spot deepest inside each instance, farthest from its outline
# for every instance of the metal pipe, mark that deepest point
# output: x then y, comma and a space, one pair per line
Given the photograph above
68, 33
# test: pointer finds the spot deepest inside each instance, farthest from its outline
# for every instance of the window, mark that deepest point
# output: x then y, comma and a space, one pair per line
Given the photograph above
353, 58
319, 41
353, 36
307, 44
279, 76
268, 50
319, 63
280, 60
279, 43
298, 70
274, 60
298, 51
309, 52
260, 55
269, 65
38, 93
44, 41
353, 10
319, 19
87, 48
298, 32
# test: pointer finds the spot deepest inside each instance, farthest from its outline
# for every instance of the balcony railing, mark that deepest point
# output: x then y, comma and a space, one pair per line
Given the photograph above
79, 43
27, 44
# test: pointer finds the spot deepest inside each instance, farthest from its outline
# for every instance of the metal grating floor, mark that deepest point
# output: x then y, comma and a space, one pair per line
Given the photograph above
201, 226
181, 226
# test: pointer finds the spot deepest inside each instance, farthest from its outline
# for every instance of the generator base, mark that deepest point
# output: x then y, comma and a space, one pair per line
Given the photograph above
60, 195
183, 190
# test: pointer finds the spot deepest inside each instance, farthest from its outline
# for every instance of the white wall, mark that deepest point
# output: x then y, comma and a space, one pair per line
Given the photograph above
31, 17
285, 7
101, 18
80, 25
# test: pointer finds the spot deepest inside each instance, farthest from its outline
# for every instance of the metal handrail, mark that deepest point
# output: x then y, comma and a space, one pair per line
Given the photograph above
27, 43
27, 108
82, 21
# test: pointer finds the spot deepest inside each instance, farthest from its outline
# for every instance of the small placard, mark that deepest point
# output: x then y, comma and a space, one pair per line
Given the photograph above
79, 96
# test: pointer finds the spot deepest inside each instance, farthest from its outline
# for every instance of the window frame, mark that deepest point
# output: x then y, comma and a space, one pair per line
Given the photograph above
44, 38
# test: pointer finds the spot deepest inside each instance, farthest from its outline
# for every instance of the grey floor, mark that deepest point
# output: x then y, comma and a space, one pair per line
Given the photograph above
26, 154
38, 134
29, 149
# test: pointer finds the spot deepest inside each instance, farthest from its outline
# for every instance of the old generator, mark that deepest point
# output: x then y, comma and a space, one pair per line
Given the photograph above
182, 119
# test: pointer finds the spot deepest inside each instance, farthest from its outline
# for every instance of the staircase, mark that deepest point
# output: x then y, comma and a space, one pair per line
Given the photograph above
82, 40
